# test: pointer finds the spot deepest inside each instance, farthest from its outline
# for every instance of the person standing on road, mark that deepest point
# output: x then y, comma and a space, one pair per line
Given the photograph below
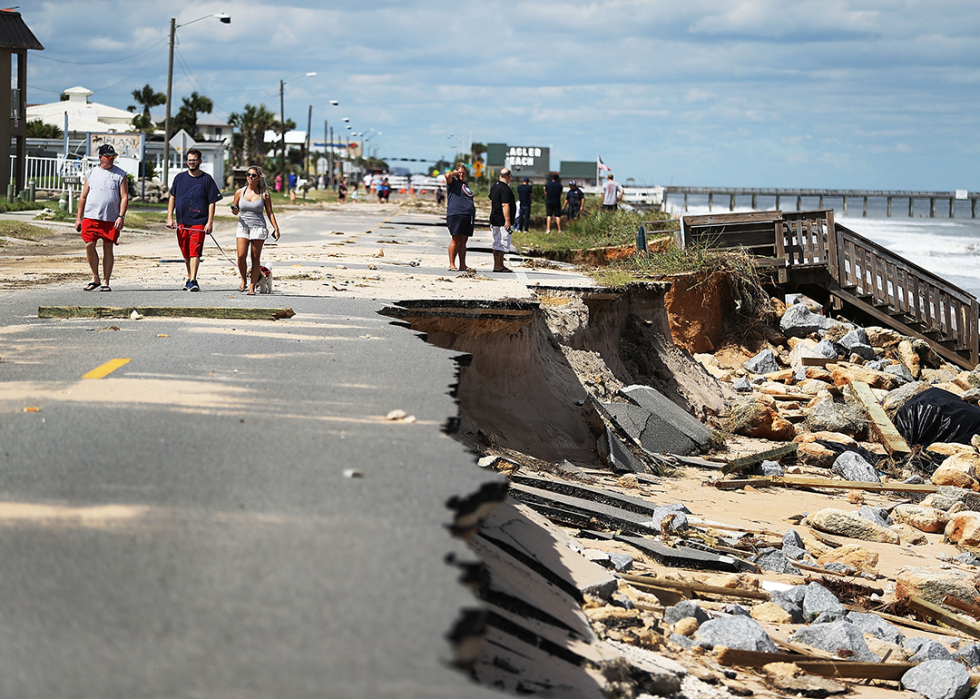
342, 191
501, 217
552, 203
101, 214
251, 203
460, 216
524, 215
573, 200
612, 193
192, 196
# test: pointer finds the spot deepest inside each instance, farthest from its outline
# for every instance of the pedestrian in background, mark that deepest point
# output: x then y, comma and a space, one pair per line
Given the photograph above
552, 203
251, 204
612, 193
101, 214
502, 205
460, 216
573, 200
191, 212
524, 195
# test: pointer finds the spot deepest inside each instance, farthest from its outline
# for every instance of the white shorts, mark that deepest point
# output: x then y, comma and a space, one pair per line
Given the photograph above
252, 233
501, 238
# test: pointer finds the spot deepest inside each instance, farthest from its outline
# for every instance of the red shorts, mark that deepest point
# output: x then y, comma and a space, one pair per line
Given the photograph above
92, 230
191, 240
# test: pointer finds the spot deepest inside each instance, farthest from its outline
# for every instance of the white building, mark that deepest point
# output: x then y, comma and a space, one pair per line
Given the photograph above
83, 116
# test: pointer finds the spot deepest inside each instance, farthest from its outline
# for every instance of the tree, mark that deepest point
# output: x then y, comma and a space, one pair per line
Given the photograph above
476, 150
38, 129
186, 118
252, 123
148, 99
143, 123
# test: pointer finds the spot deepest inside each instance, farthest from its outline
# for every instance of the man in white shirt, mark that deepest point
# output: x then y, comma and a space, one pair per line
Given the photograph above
612, 193
101, 214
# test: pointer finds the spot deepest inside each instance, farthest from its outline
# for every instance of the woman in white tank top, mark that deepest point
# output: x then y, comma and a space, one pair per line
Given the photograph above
251, 202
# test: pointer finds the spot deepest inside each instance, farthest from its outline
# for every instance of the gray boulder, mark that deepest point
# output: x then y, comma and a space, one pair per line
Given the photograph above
762, 363
938, 679
852, 467
789, 604
970, 654
866, 352
878, 364
931, 650
682, 641
898, 397
968, 558
771, 468
825, 415
838, 567
621, 562
800, 321
837, 636
792, 538
949, 495
900, 372
794, 553
826, 348
876, 626
618, 599
684, 610
856, 337
828, 617
742, 385
738, 632
736, 610
875, 514
775, 561
818, 600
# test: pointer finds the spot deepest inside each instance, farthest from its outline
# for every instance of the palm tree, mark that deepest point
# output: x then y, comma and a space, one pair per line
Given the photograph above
186, 118
38, 129
149, 99
252, 124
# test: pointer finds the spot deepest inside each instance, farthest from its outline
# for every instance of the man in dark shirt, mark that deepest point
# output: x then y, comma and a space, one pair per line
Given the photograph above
501, 217
460, 216
524, 215
573, 200
192, 198
552, 203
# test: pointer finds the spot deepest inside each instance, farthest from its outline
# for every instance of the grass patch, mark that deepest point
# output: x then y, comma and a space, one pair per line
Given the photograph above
17, 205
134, 219
22, 231
595, 229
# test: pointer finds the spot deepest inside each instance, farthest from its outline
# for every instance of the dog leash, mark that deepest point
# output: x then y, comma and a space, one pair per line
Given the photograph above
222, 251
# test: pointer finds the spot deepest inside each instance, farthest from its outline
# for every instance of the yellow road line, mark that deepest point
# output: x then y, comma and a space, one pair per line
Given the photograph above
106, 369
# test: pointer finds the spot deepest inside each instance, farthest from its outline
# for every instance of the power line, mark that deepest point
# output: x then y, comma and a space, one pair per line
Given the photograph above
95, 63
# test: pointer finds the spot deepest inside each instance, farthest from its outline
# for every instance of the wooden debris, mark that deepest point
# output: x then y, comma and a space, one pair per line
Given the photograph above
700, 588
881, 426
845, 669
909, 623
811, 482
964, 606
744, 463
818, 361
947, 618
164, 312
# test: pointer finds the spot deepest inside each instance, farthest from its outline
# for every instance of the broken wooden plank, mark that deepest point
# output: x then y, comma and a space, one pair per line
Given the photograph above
818, 361
962, 605
844, 669
744, 463
946, 617
881, 426
687, 586
164, 312
683, 557
814, 482
910, 623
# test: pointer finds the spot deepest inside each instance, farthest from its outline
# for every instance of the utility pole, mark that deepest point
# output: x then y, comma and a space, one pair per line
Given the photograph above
306, 166
166, 123
282, 145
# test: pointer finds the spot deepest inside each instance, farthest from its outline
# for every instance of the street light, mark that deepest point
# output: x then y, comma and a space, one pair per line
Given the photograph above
282, 123
309, 125
225, 19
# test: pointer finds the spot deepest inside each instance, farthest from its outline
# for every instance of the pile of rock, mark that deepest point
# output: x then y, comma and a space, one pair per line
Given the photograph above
154, 192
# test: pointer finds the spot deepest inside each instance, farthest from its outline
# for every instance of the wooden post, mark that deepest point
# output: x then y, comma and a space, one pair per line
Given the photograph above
731, 203
755, 204
952, 207
932, 207
711, 201
865, 212
799, 202
685, 202
974, 205
845, 205
889, 207
911, 207
821, 202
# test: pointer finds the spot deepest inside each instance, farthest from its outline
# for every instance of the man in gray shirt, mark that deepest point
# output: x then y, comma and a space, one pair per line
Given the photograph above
102, 213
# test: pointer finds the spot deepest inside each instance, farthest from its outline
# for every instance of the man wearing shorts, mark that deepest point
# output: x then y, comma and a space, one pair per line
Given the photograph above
193, 196
552, 203
612, 194
460, 216
101, 214
502, 205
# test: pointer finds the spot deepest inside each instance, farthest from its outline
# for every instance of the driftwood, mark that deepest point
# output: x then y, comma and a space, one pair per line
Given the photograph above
164, 312
843, 669
700, 588
947, 618
811, 482
881, 426
746, 462
909, 623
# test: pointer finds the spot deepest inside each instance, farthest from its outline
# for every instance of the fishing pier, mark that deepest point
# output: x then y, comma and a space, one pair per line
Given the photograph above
832, 195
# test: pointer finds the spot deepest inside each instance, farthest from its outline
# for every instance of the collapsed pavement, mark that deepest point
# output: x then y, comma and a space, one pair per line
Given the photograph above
600, 578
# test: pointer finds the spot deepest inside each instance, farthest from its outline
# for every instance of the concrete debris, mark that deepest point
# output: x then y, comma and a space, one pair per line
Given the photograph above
876, 626
657, 403
684, 610
739, 632
841, 638
819, 600
800, 321
762, 363
851, 467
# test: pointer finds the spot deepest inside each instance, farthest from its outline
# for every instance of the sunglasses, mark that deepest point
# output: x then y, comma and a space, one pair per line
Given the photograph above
252, 174
193, 160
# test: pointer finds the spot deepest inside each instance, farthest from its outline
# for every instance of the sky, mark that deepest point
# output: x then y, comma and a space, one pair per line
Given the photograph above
833, 94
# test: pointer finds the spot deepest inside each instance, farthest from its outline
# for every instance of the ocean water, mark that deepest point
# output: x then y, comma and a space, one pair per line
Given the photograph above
948, 247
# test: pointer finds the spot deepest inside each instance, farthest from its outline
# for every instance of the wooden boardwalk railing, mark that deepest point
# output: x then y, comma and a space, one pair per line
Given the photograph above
860, 273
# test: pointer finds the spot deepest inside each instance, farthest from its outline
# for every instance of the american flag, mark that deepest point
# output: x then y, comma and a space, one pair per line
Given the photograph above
602, 165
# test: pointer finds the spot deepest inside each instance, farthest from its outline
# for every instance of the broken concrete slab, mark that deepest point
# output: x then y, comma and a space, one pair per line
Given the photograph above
542, 546
670, 412
621, 459
682, 557
841, 638
648, 430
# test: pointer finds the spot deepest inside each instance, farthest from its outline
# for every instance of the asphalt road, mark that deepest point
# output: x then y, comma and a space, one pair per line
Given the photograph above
183, 527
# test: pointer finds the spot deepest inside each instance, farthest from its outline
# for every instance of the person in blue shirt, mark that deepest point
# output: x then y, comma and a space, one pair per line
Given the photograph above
460, 216
191, 212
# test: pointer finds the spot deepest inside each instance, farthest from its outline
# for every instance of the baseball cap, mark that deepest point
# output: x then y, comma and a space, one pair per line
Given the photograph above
106, 149
526, 179
572, 182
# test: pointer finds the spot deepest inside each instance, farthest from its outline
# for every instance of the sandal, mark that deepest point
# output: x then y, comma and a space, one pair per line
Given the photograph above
92, 286
241, 287
105, 287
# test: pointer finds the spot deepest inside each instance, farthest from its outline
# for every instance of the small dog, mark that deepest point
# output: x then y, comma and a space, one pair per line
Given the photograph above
264, 285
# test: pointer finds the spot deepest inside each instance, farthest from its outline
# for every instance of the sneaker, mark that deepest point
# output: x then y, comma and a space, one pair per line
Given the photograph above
187, 286
193, 285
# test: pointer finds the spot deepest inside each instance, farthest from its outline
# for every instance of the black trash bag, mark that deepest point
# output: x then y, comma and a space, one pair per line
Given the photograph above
839, 449
936, 415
